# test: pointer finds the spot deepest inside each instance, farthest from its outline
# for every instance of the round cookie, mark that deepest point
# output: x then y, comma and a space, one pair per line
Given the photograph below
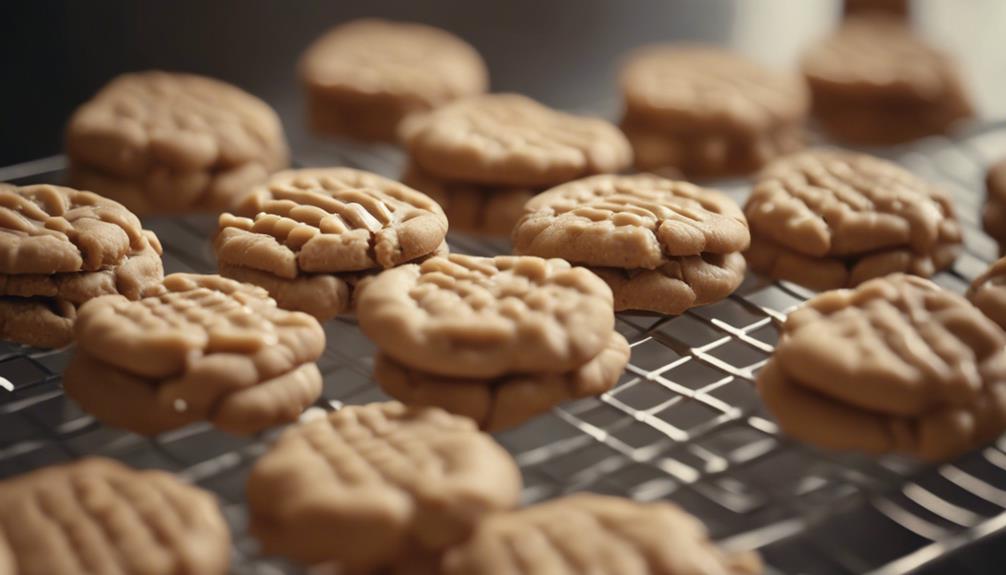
994, 212
510, 140
988, 292
897, 364
470, 208
508, 400
37, 322
466, 316
200, 347
170, 143
362, 78
365, 484
98, 516
847, 217
330, 220
892, 7
874, 82
637, 221
598, 534
678, 285
707, 111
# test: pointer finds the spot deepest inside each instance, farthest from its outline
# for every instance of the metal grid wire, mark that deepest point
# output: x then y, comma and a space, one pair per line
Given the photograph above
684, 423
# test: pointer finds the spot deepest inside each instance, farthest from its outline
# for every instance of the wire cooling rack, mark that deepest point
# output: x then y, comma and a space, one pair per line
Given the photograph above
684, 422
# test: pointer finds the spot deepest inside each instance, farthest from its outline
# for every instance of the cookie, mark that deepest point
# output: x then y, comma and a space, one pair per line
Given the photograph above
988, 292
509, 140
307, 235
896, 365
661, 245
629, 222
363, 77
470, 208
198, 348
60, 247
474, 317
508, 400
829, 219
163, 142
99, 516
874, 82
994, 212
364, 484
678, 285
707, 111
597, 534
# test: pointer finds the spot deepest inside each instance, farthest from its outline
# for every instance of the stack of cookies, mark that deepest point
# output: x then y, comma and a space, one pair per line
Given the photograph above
60, 247
895, 365
173, 143
362, 78
707, 112
310, 236
196, 347
482, 158
829, 219
497, 339
876, 83
662, 245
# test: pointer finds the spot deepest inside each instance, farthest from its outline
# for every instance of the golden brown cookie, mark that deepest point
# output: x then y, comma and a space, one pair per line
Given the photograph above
362, 78
364, 484
170, 143
99, 516
707, 111
470, 208
629, 222
508, 400
509, 140
892, 7
874, 82
988, 292
60, 247
474, 317
830, 219
198, 348
895, 365
676, 286
994, 213
602, 535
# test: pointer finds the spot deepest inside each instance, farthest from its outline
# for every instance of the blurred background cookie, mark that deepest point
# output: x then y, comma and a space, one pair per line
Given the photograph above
99, 516
364, 77
363, 487
309, 236
828, 219
200, 347
708, 112
595, 532
61, 247
895, 365
483, 154
874, 82
661, 245
994, 211
988, 292
163, 142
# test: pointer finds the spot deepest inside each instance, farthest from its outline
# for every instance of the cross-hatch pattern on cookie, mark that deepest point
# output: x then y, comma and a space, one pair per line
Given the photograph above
51, 229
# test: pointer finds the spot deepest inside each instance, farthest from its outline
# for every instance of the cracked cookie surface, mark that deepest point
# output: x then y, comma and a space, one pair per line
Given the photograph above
329, 220
629, 222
